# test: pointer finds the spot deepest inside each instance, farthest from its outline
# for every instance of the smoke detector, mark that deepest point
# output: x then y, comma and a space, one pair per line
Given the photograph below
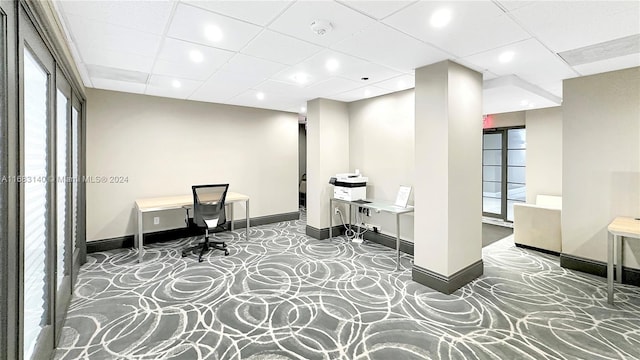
320, 27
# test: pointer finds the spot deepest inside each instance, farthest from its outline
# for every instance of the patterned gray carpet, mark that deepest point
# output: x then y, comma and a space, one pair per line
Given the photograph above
284, 295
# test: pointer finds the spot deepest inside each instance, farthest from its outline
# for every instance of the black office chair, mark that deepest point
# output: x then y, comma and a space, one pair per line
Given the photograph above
208, 213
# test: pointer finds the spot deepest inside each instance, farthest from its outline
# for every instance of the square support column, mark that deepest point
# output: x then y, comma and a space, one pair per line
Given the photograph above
327, 155
448, 187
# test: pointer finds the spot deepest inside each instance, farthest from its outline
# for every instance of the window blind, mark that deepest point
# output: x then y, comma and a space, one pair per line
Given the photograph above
61, 184
35, 199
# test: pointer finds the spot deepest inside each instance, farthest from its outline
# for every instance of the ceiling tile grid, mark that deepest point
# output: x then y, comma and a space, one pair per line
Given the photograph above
267, 54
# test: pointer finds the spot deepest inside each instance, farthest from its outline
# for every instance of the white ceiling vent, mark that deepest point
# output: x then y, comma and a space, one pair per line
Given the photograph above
105, 72
605, 50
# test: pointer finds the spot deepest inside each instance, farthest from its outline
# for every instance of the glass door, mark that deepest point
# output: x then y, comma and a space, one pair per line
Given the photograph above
492, 153
36, 200
503, 171
64, 250
37, 190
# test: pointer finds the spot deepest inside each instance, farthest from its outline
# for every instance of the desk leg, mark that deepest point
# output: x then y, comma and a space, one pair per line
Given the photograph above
618, 251
140, 237
397, 242
247, 215
330, 219
610, 241
230, 211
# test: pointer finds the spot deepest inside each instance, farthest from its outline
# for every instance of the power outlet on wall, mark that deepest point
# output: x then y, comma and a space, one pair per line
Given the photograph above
156, 220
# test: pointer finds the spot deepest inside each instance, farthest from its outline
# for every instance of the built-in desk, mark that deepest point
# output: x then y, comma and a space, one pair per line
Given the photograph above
377, 206
178, 202
620, 227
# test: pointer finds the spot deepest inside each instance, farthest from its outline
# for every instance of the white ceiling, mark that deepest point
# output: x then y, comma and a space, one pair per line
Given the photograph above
264, 54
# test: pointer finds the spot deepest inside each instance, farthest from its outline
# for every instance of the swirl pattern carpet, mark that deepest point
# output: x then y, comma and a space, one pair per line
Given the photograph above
284, 295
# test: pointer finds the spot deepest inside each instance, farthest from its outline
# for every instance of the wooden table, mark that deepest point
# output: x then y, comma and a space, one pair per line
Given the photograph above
620, 227
177, 202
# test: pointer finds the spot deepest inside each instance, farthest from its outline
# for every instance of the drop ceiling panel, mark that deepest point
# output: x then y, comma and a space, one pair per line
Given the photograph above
174, 60
332, 86
296, 21
376, 9
364, 92
252, 66
531, 62
117, 59
475, 26
222, 86
171, 87
146, 16
617, 63
398, 83
256, 12
279, 88
270, 101
190, 24
90, 34
348, 67
115, 85
567, 25
280, 48
384, 45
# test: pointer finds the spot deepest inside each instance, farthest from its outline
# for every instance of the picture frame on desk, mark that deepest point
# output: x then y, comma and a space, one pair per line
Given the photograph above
402, 198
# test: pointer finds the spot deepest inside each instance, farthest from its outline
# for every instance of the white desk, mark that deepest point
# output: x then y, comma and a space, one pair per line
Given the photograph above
620, 227
377, 206
177, 202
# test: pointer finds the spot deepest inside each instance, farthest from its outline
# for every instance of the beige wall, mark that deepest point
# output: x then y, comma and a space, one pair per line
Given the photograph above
544, 152
515, 118
163, 146
601, 161
381, 146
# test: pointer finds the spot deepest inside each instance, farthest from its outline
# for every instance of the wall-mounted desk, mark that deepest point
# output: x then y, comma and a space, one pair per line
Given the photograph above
620, 227
377, 206
178, 202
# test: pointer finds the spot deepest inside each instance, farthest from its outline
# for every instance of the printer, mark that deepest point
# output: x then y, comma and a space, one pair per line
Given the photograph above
349, 187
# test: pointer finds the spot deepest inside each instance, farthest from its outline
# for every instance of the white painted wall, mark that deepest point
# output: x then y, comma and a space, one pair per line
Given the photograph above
544, 152
327, 154
163, 146
381, 146
601, 161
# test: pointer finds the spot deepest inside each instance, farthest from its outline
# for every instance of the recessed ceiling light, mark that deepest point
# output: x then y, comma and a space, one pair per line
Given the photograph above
176, 84
506, 56
196, 56
400, 84
524, 102
332, 64
300, 78
367, 92
260, 96
440, 18
213, 33
303, 109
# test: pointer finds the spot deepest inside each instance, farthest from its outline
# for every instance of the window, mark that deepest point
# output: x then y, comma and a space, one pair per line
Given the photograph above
61, 185
36, 204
